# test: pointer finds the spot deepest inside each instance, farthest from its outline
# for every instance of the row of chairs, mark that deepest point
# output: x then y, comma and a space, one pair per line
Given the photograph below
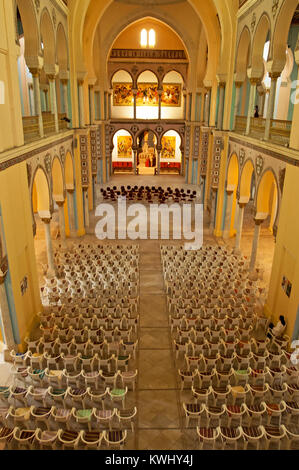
20, 439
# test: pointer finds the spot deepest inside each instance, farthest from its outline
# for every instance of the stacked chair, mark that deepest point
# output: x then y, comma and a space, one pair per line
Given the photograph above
150, 195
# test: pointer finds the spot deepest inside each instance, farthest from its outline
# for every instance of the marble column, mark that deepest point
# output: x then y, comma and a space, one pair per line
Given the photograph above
46, 99
65, 97
135, 103
51, 265
135, 161
207, 107
60, 205
213, 206
228, 212
221, 105
255, 243
109, 95
160, 103
238, 86
271, 103
185, 104
37, 103
8, 337
92, 105
70, 198
52, 83
159, 150
252, 96
81, 103
237, 248
86, 208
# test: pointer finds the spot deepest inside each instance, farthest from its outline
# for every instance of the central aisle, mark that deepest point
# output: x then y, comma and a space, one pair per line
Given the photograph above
159, 421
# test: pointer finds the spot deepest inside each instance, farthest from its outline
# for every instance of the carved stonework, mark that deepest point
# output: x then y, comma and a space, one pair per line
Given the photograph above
29, 173
282, 174
159, 129
259, 164
134, 70
54, 17
37, 5
134, 129
242, 157
275, 6
84, 161
253, 22
62, 155
47, 161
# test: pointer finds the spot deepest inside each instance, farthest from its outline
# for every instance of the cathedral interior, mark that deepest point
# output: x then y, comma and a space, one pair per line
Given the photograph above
141, 343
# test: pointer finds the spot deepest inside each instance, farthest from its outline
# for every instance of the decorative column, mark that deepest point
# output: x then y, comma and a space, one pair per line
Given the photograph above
242, 203
221, 105
37, 103
135, 160
60, 205
52, 83
86, 208
8, 336
185, 104
213, 205
255, 243
160, 92
252, 96
207, 107
46, 91
271, 102
159, 150
109, 95
51, 266
92, 104
135, 91
81, 103
228, 213
70, 198
238, 86
65, 97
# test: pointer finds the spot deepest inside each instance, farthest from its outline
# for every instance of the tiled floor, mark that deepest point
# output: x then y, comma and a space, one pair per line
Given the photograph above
160, 423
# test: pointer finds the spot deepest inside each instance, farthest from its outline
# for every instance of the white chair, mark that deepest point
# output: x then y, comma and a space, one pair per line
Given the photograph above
254, 436
83, 417
42, 415
47, 440
91, 439
25, 439
230, 436
69, 439
104, 417
208, 437
274, 435
126, 417
115, 438
194, 411
117, 395
128, 378
62, 416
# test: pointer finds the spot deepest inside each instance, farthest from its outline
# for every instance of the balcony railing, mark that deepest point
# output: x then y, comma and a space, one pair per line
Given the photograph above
280, 131
31, 128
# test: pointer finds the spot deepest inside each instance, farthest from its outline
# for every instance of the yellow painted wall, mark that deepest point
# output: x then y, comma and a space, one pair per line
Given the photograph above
286, 256
17, 220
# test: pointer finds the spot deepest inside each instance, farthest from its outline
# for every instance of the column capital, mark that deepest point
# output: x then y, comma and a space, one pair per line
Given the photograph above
60, 203
64, 81
35, 72
274, 75
2, 277
238, 84
254, 80
71, 191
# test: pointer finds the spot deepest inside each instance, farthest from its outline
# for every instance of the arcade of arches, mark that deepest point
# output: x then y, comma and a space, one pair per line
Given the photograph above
181, 101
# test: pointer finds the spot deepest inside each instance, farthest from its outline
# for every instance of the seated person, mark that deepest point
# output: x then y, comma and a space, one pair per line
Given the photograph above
277, 330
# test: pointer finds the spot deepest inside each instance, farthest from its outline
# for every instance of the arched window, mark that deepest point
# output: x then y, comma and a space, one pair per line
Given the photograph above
143, 38
152, 38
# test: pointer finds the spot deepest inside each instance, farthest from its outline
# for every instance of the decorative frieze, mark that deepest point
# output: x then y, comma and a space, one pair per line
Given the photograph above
83, 142
215, 169
95, 149
196, 141
147, 54
204, 151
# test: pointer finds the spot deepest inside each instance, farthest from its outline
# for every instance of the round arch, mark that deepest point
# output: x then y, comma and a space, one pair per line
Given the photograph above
57, 180
114, 143
48, 38
40, 192
178, 143
242, 55
62, 49
281, 32
117, 71
69, 171
267, 196
246, 179
30, 27
258, 43
233, 171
